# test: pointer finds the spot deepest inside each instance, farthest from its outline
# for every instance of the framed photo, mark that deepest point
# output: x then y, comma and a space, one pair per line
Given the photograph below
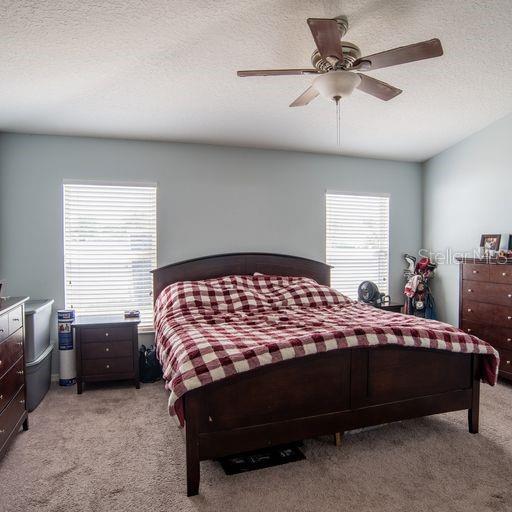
490, 243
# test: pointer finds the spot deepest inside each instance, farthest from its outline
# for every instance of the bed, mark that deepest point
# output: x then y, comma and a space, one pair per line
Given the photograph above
359, 383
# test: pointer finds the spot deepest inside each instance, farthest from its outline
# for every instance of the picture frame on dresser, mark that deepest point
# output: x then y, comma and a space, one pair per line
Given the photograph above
490, 243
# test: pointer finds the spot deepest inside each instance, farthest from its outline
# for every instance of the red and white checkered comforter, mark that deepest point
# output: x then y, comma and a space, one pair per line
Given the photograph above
209, 330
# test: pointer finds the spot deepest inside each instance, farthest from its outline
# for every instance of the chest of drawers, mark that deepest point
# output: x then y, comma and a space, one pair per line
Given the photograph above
13, 411
106, 349
486, 305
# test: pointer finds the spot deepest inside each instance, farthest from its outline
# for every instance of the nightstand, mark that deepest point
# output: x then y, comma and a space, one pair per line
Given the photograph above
107, 349
394, 307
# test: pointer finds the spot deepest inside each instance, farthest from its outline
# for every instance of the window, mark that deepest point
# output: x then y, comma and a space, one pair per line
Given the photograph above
357, 241
110, 249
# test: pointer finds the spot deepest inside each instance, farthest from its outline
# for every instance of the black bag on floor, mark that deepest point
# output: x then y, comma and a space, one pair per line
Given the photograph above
149, 367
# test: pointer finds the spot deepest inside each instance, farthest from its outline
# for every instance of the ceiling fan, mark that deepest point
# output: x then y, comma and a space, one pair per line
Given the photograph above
337, 64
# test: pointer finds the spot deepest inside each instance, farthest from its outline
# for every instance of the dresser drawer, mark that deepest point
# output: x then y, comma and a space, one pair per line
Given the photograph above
107, 366
500, 337
10, 383
98, 350
4, 327
11, 416
15, 319
490, 293
490, 314
95, 334
505, 360
500, 273
475, 271
11, 350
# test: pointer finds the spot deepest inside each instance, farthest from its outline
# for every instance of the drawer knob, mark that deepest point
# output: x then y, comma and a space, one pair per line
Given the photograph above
509, 317
469, 290
503, 274
0, 362
510, 295
469, 330
1, 397
508, 362
106, 334
15, 319
107, 349
1, 331
107, 367
469, 310
475, 271
509, 339
22, 402
2, 431
20, 372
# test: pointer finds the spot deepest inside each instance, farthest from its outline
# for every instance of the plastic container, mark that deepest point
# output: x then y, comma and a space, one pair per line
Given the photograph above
38, 315
38, 378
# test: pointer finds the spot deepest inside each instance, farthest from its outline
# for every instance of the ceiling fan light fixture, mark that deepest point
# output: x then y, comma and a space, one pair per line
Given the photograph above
336, 84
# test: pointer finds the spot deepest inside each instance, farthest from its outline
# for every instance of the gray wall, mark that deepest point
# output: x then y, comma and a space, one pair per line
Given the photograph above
467, 192
210, 200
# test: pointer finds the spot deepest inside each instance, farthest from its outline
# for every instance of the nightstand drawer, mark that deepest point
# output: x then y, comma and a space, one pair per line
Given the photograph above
99, 350
11, 350
107, 366
4, 327
10, 383
95, 334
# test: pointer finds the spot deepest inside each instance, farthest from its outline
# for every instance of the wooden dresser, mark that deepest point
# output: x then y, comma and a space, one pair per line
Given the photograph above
13, 411
107, 348
485, 308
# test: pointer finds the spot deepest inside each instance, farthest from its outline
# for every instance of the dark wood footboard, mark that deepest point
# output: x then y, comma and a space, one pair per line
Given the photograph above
322, 394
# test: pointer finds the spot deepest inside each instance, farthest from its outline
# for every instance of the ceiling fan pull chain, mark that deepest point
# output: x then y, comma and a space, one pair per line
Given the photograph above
338, 121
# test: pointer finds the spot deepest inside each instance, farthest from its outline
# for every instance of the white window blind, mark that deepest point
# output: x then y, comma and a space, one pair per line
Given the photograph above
109, 249
357, 241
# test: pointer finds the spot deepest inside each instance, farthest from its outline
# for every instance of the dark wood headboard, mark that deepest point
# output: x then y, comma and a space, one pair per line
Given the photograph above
242, 263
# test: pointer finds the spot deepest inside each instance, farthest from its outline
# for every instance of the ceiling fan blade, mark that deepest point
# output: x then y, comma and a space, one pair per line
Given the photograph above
306, 97
277, 72
401, 55
326, 34
376, 88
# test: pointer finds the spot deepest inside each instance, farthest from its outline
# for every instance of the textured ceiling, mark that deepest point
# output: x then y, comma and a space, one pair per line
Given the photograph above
157, 69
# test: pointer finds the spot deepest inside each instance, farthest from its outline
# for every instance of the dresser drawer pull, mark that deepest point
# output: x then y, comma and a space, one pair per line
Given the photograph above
469, 330
507, 362
509, 317
20, 372
469, 290
22, 402
107, 366
2, 431
0, 362
509, 295
106, 334
1, 331
20, 343
475, 271
503, 274
15, 319
509, 339
469, 310
107, 350
1, 397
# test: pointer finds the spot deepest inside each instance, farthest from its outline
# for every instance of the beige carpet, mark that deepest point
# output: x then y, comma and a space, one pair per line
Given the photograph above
116, 449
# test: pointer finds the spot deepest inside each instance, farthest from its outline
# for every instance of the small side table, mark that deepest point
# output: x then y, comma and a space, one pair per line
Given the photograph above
394, 307
107, 349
